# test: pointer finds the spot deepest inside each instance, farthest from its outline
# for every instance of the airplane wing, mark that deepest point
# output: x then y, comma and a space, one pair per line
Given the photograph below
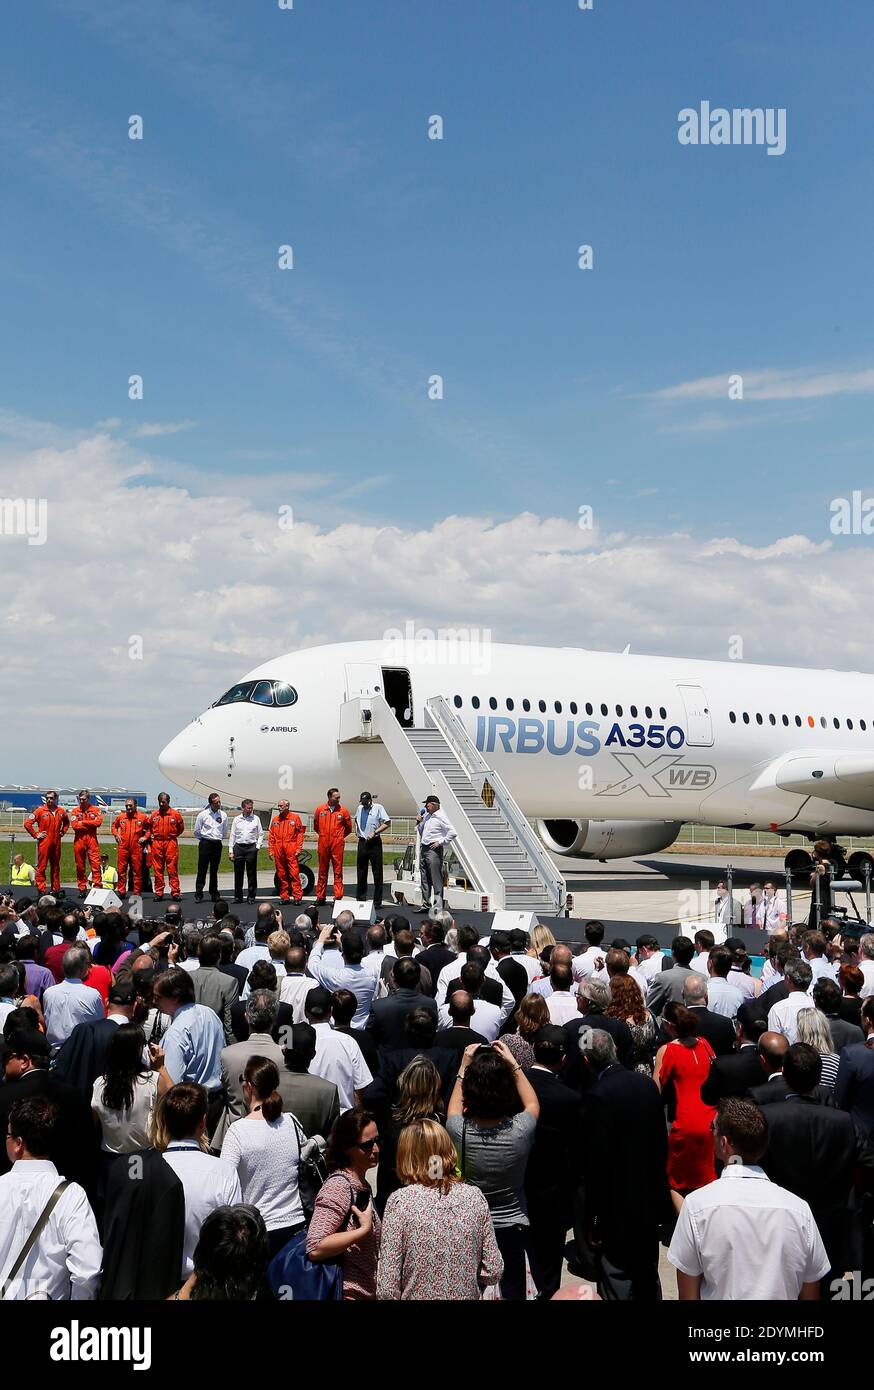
846, 778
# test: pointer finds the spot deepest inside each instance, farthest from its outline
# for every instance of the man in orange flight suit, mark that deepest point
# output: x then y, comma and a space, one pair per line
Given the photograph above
86, 820
332, 823
284, 841
131, 831
47, 824
165, 827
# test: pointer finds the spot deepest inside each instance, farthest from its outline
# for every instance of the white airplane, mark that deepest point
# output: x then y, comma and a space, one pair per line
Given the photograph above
610, 753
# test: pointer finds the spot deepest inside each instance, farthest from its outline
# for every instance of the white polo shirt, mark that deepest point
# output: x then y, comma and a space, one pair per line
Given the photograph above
339, 1059
783, 1017
749, 1238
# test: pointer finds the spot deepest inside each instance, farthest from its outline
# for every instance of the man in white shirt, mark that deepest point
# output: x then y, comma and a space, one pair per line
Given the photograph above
209, 831
519, 943
485, 1018
721, 914
207, 1182
866, 964
592, 960
435, 831
8, 991
246, 838
66, 1258
783, 1017
813, 948
773, 915
704, 943
722, 997
469, 948
562, 1002
71, 1001
294, 986
338, 1057
743, 1237
649, 961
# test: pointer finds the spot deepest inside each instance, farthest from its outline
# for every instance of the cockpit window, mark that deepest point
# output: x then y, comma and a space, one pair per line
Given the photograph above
260, 693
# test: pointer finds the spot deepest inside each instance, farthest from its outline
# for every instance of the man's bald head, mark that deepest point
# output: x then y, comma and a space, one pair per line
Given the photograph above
695, 988
772, 1050
461, 1007
560, 955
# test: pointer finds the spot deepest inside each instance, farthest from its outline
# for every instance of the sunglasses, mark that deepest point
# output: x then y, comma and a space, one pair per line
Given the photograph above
367, 1145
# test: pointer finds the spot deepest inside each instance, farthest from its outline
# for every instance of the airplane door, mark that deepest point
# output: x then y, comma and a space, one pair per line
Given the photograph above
363, 679
699, 725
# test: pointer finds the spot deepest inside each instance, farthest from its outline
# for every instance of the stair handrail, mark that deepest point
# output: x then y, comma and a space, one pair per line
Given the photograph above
450, 726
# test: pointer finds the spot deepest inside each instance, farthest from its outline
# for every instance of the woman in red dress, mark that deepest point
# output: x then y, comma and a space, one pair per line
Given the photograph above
684, 1063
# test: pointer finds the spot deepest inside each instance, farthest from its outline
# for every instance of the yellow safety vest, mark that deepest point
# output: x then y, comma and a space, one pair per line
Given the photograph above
110, 877
21, 875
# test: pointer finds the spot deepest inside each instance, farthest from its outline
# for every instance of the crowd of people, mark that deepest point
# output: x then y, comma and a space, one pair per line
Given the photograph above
341, 1110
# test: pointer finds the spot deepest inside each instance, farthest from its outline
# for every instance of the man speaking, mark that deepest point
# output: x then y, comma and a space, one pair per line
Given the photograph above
370, 820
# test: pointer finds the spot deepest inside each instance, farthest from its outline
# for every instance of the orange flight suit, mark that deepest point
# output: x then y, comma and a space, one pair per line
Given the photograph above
284, 841
85, 826
127, 831
52, 825
332, 827
165, 831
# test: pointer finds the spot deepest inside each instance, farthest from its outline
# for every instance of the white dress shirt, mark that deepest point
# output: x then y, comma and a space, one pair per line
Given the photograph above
436, 829
532, 967
739, 979
698, 963
66, 1260
339, 1059
783, 1017
452, 971
246, 830
586, 964
749, 1238
867, 969
210, 825
207, 1182
562, 1006
722, 997
247, 957
822, 969
293, 990
486, 1019
67, 1004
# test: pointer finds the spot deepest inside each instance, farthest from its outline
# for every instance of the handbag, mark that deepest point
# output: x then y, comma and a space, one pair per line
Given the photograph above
291, 1273
34, 1236
312, 1170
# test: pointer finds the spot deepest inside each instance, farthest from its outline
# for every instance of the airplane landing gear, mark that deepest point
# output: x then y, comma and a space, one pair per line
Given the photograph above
798, 863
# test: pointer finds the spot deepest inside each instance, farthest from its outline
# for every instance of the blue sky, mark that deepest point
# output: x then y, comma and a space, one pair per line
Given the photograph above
458, 257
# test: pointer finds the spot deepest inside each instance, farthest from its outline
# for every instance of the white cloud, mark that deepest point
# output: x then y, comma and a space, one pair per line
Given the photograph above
213, 585
155, 429
773, 384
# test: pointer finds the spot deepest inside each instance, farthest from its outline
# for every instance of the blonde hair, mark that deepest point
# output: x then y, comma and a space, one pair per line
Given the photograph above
541, 937
278, 943
426, 1155
813, 1029
418, 1092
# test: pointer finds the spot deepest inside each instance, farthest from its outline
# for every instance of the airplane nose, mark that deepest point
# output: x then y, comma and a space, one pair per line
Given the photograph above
178, 761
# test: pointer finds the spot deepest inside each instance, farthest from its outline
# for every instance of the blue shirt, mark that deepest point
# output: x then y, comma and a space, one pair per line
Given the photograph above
367, 821
332, 972
67, 1004
193, 1046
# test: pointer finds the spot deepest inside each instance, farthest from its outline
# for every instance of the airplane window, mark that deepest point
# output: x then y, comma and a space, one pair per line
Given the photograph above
632, 710
510, 703
558, 706
849, 723
237, 693
772, 718
573, 706
786, 720
541, 705
663, 713
823, 721
604, 709
284, 694
648, 712
746, 717
619, 711
862, 725
493, 704
263, 693
590, 709
798, 721
732, 717
526, 705
837, 723
457, 701
474, 700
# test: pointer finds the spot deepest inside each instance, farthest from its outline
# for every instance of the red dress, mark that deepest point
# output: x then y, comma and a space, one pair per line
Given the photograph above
690, 1142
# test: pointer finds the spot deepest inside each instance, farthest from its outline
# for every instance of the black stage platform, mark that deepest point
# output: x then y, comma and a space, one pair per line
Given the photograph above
565, 929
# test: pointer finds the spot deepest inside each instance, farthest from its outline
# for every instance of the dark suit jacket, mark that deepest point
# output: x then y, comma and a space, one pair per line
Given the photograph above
491, 989
775, 995
435, 958
236, 972
383, 1089
732, 1075
625, 1144
386, 1023
515, 977
776, 1089
718, 1030
456, 1039
573, 1073
76, 1142
315, 1101
814, 1151
82, 1058
145, 1228
554, 1160
240, 1028
367, 1043
844, 1034
854, 1088
851, 1010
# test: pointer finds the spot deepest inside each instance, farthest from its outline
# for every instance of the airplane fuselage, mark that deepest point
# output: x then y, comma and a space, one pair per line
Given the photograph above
573, 733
